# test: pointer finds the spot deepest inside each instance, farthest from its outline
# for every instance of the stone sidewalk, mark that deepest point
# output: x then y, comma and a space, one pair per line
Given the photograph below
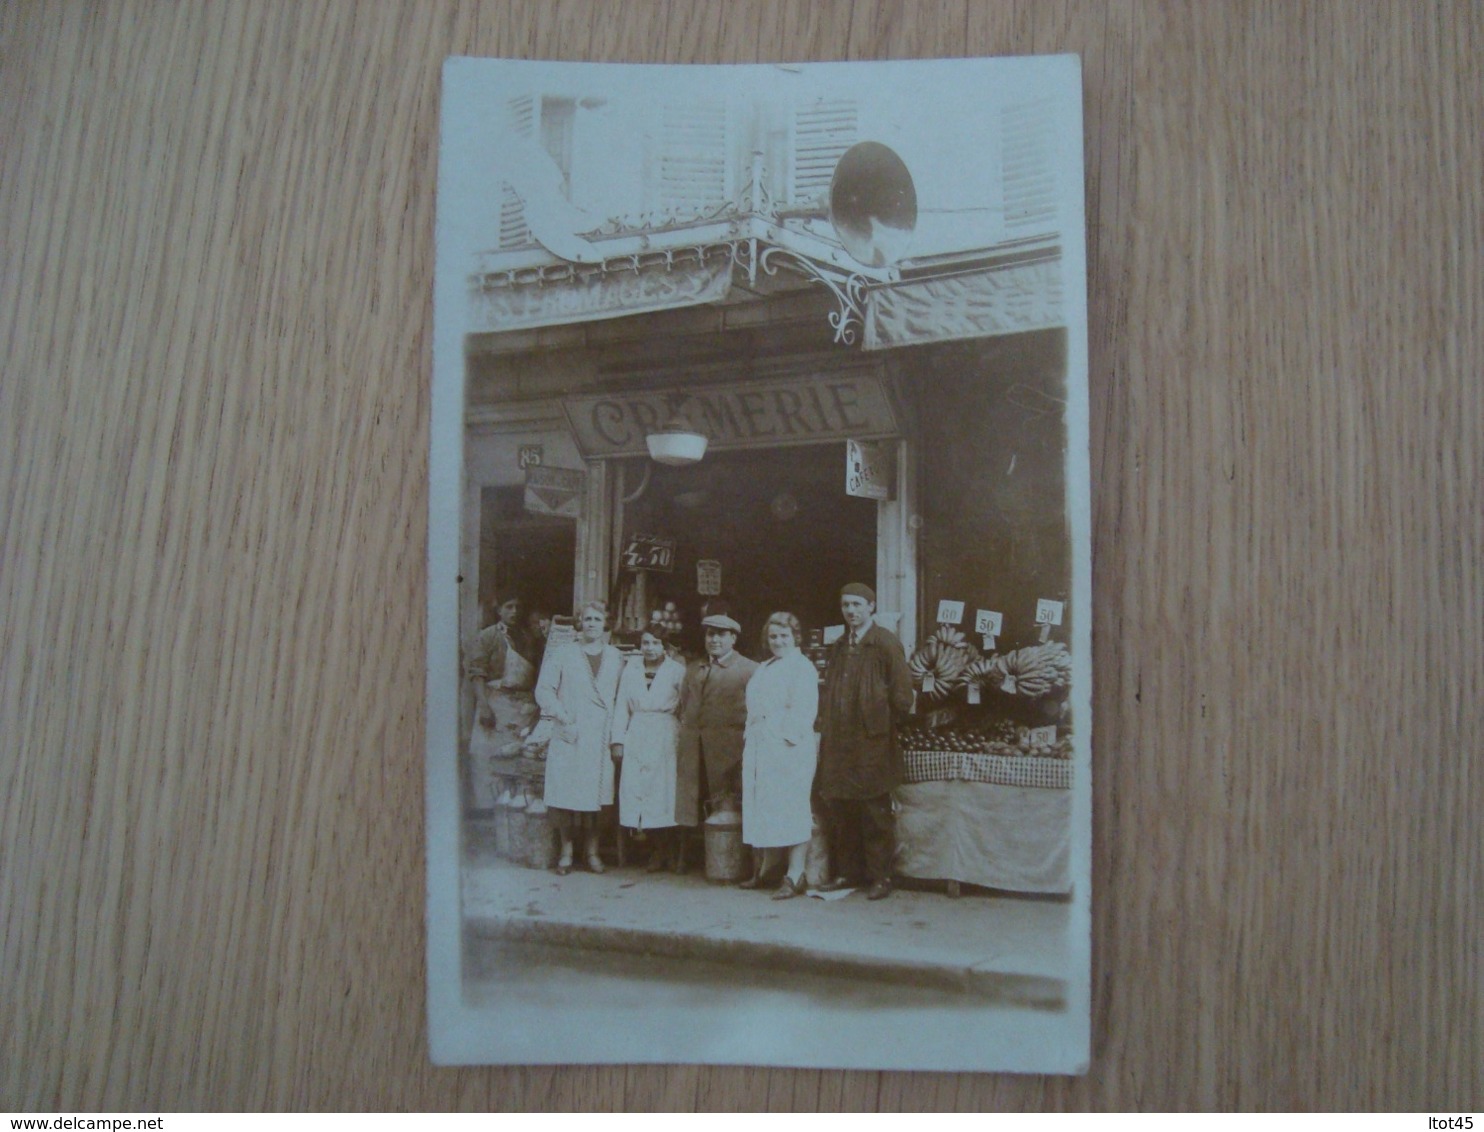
1006, 949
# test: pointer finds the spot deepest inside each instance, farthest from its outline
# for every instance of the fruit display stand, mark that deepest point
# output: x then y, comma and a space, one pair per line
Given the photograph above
995, 820
988, 805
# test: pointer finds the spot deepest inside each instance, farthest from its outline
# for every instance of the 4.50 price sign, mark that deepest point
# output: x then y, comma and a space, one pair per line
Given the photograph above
649, 552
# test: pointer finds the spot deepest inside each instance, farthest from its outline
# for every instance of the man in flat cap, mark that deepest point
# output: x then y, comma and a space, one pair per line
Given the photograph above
867, 689
713, 719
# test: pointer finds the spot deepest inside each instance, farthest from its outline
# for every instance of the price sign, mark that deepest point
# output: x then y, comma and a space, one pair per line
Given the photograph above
531, 456
1048, 612
649, 552
1043, 736
988, 623
708, 577
950, 612
973, 693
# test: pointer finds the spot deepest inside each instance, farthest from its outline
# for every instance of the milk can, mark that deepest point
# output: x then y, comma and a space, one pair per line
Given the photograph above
726, 857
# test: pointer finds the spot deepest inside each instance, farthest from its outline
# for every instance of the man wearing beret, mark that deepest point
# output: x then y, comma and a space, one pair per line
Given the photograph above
867, 689
713, 722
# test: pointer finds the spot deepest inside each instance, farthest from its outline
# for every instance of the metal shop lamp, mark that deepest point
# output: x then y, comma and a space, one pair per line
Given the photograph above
676, 443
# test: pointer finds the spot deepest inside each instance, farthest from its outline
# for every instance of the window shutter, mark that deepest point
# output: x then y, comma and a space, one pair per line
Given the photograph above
513, 231
693, 156
1029, 182
823, 132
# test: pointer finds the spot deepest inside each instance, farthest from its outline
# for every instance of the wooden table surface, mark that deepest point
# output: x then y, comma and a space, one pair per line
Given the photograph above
216, 227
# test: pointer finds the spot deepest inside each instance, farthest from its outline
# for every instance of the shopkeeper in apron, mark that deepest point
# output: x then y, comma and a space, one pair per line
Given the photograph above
501, 665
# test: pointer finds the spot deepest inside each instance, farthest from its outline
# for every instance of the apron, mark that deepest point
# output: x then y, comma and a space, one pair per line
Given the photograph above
504, 712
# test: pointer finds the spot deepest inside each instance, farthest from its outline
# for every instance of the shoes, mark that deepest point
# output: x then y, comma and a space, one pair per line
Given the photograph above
564, 866
754, 881
879, 891
836, 885
657, 863
790, 888
595, 864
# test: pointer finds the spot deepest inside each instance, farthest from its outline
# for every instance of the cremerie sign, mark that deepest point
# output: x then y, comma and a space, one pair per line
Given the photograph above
762, 414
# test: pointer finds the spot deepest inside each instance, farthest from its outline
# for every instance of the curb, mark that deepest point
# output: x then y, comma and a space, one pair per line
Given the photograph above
1031, 992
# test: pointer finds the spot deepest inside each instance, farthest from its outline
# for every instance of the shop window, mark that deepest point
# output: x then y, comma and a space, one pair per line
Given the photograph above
994, 532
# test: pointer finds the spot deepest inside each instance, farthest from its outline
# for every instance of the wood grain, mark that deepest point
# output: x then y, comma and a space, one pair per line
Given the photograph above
217, 234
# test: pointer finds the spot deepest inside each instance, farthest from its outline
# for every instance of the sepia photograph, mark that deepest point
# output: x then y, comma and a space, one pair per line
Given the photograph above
759, 689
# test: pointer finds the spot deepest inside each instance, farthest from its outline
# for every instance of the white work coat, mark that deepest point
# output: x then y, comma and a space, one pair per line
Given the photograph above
780, 752
579, 773
644, 722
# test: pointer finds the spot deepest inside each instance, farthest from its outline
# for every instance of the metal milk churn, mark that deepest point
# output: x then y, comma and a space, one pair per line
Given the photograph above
726, 856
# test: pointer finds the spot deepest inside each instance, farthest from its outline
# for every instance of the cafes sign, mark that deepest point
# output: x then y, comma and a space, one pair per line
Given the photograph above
555, 491
762, 414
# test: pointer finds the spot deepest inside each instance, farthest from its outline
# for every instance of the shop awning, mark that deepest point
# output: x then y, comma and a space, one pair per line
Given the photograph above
567, 293
1004, 300
940, 299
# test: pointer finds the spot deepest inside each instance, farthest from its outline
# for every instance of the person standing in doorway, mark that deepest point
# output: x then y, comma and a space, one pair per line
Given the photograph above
713, 721
867, 689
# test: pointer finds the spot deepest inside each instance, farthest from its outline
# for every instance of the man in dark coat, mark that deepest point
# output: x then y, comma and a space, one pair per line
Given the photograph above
713, 720
867, 689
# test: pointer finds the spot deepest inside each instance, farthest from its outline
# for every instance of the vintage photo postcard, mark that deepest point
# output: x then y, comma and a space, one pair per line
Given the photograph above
759, 652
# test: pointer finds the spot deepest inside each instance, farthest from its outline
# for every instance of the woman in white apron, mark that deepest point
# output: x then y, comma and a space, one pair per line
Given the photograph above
502, 670
779, 756
644, 739
577, 689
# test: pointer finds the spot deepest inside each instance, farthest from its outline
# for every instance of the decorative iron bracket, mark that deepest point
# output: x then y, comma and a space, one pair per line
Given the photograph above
849, 289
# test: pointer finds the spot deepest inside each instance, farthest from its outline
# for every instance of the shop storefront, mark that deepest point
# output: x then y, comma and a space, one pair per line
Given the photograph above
964, 446
806, 483
756, 400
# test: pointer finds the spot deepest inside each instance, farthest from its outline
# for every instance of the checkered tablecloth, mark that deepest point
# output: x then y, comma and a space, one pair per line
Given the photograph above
999, 770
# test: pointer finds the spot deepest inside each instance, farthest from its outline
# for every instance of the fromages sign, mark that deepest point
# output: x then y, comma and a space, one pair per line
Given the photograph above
766, 414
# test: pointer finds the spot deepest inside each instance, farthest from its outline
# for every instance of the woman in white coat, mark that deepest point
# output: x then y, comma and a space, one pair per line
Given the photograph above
577, 689
779, 756
644, 739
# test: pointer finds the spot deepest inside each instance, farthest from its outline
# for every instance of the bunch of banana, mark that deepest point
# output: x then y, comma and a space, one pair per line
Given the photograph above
1036, 670
944, 656
985, 671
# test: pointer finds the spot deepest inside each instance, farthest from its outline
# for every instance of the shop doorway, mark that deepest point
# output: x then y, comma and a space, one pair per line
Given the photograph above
778, 522
532, 556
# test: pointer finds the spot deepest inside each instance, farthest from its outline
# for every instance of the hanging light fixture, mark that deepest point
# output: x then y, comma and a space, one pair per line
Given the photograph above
676, 442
